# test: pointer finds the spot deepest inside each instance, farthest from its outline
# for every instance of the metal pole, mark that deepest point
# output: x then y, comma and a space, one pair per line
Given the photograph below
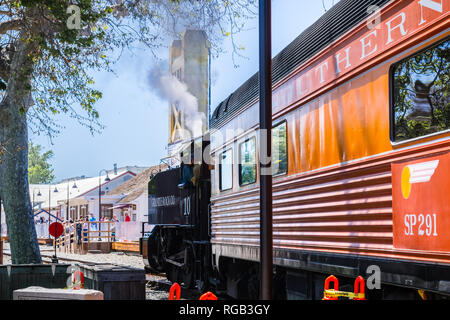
1, 240
265, 118
49, 205
0, 217
99, 198
68, 206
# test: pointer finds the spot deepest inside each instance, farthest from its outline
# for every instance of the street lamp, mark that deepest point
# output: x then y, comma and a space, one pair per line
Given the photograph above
50, 200
107, 179
34, 194
68, 206
50, 203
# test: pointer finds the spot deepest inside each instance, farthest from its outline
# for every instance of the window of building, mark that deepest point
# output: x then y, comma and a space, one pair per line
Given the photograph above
226, 170
177, 74
84, 211
279, 149
106, 211
420, 93
247, 162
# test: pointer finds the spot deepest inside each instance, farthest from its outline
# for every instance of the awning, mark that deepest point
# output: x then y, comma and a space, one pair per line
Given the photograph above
123, 205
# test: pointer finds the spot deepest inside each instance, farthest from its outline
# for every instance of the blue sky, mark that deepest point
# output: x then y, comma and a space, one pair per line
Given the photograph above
136, 120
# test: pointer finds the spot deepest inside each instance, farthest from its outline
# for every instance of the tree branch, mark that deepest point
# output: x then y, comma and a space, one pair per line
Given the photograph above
10, 25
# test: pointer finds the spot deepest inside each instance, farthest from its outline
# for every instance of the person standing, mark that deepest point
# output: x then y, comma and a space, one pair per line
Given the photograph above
91, 219
94, 225
85, 229
114, 220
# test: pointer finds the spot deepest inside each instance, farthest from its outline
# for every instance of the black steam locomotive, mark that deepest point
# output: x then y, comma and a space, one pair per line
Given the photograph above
178, 245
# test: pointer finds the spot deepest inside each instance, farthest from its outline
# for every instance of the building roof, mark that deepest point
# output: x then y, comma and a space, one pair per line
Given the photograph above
137, 185
83, 186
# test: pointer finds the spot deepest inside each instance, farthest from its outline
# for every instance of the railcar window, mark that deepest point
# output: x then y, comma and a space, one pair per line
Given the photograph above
247, 162
226, 170
279, 149
420, 93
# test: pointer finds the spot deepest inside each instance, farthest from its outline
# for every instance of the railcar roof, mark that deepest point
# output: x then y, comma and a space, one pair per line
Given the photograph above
337, 21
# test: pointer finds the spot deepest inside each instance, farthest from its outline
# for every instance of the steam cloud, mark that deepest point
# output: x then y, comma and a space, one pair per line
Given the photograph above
169, 88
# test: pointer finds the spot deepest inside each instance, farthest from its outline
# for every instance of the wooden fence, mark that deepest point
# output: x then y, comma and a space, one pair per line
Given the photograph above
90, 235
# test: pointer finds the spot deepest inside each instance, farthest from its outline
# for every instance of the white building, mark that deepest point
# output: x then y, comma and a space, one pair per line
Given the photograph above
132, 196
80, 194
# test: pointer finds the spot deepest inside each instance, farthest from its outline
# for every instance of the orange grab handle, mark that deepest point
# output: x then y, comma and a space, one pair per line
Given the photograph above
75, 274
327, 286
175, 288
360, 287
208, 296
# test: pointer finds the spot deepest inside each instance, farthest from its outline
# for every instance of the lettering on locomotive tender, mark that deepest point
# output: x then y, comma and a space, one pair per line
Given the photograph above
420, 190
163, 201
351, 54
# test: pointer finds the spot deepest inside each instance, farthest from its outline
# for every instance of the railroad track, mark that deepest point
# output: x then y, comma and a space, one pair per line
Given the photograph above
159, 283
48, 259
155, 283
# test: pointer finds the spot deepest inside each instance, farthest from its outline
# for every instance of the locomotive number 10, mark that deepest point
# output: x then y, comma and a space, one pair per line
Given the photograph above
426, 225
186, 206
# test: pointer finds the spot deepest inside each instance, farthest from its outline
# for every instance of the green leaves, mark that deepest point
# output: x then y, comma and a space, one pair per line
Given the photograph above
39, 168
63, 56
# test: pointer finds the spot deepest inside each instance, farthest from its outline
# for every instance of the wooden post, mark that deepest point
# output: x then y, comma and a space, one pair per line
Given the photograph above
88, 235
70, 237
68, 241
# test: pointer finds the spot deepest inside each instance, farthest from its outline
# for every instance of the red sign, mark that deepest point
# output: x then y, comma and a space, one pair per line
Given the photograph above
56, 229
421, 207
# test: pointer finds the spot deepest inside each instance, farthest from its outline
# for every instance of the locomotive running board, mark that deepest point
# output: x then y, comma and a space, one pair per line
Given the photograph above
180, 265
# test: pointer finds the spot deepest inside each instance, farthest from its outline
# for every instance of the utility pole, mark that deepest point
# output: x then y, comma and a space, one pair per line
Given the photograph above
265, 128
1, 240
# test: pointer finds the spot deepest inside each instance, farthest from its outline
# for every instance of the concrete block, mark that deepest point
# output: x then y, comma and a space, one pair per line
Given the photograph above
39, 293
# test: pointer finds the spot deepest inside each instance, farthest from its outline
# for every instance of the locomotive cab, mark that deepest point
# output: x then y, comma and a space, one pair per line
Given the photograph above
178, 208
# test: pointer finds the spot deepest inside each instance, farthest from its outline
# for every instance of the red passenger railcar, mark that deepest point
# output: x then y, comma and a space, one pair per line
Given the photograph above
361, 118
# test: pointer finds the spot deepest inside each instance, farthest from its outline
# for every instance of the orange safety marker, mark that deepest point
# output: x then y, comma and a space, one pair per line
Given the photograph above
74, 280
208, 296
327, 287
360, 287
334, 294
175, 288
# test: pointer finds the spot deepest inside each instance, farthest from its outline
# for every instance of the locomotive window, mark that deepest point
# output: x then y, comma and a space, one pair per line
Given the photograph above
247, 162
279, 149
226, 170
420, 93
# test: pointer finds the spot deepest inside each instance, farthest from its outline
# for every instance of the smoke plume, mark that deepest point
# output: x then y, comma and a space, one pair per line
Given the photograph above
169, 88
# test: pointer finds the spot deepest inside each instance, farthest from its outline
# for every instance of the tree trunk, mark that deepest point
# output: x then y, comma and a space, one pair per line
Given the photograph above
14, 187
